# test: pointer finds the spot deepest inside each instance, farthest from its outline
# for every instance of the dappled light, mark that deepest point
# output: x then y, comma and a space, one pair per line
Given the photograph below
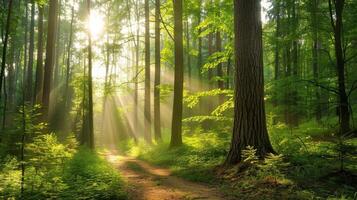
183, 99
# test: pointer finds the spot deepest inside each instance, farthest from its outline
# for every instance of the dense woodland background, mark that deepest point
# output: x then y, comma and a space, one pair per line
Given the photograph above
255, 97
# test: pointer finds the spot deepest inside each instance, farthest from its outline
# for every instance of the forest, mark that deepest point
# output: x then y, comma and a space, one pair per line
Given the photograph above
178, 99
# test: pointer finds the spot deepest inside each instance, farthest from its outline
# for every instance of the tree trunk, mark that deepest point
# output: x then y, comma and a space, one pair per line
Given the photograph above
249, 127
50, 53
90, 136
210, 52
137, 55
6, 39
189, 70
69, 54
29, 89
147, 109
337, 24
315, 58
199, 57
219, 67
39, 67
157, 117
176, 129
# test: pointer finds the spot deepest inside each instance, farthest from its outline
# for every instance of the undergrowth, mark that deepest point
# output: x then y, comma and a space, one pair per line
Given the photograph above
307, 166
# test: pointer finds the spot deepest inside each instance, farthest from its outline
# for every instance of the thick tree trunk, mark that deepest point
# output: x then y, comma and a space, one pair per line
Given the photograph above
50, 53
249, 127
176, 128
147, 103
157, 117
39, 66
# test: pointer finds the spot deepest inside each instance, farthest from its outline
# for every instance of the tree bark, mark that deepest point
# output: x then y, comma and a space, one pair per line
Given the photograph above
6, 39
68, 66
176, 127
157, 118
90, 139
50, 53
29, 88
39, 66
147, 103
249, 127
337, 24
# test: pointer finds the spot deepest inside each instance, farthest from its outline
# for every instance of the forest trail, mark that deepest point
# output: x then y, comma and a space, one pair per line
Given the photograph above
147, 182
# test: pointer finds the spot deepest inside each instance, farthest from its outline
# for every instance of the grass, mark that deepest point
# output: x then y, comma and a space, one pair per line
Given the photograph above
84, 175
309, 155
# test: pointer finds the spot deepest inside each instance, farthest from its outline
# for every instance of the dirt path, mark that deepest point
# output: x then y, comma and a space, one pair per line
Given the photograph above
147, 182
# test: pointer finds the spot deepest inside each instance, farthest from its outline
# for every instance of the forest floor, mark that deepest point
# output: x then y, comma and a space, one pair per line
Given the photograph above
148, 182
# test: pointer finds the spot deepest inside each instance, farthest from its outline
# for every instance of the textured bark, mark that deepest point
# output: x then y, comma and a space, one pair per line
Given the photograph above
147, 103
157, 118
50, 52
249, 113
176, 128
39, 65
337, 24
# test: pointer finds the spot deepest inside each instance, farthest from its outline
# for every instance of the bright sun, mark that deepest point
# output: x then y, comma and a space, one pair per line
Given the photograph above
96, 24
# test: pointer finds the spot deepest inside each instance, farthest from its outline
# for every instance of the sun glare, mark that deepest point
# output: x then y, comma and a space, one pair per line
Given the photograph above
96, 24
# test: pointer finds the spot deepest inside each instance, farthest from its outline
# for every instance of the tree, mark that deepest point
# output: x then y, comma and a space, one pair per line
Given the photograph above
31, 54
176, 127
50, 53
89, 138
336, 12
157, 118
147, 103
249, 128
6, 39
39, 65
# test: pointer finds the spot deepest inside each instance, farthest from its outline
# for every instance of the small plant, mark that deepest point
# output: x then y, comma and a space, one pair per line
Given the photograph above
249, 155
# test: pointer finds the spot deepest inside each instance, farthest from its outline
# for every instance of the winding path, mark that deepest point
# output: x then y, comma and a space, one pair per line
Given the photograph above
147, 182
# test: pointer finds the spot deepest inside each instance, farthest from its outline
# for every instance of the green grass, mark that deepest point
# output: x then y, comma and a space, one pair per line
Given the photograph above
308, 151
85, 175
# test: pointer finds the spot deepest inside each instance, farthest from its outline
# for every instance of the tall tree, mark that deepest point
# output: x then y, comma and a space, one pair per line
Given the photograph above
31, 54
147, 103
50, 52
39, 65
6, 39
176, 127
336, 11
249, 127
89, 139
157, 118
69, 56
